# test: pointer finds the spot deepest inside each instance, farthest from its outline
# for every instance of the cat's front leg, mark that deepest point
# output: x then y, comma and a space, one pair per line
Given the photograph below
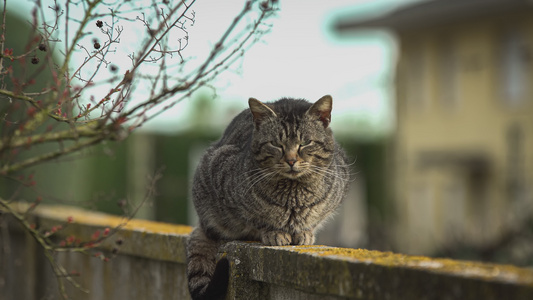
303, 238
276, 238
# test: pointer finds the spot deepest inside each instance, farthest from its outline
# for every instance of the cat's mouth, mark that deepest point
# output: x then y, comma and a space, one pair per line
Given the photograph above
293, 173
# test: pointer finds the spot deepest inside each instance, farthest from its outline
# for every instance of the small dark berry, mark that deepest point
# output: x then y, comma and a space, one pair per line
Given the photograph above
96, 45
42, 47
35, 60
118, 242
113, 68
99, 24
122, 203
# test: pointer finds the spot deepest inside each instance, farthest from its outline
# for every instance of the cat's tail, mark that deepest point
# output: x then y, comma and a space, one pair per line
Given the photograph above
207, 279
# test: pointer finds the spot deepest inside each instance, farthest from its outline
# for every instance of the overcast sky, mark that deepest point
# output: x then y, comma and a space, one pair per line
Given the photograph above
301, 58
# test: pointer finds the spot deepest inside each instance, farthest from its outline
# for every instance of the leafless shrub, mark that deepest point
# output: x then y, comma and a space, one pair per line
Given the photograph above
88, 97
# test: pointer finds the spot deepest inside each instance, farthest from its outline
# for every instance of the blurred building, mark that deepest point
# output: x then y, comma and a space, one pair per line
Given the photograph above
462, 155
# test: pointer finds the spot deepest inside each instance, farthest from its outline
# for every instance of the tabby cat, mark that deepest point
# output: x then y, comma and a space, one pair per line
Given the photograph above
275, 176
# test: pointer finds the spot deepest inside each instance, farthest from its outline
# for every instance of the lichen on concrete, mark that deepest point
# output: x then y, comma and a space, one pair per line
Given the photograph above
367, 274
288, 272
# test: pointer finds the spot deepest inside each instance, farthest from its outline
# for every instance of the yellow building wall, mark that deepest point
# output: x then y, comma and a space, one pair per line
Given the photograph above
436, 202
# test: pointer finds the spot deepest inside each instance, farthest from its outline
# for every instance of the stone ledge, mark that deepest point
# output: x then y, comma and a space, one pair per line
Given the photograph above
290, 272
365, 274
142, 238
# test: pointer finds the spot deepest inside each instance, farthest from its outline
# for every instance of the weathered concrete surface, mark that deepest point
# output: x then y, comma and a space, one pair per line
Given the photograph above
150, 264
294, 272
161, 241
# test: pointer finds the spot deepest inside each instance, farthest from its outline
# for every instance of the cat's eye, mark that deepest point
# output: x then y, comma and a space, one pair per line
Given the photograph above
276, 145
305, 143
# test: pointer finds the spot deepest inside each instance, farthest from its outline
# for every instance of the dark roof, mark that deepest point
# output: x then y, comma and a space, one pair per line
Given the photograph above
432, 13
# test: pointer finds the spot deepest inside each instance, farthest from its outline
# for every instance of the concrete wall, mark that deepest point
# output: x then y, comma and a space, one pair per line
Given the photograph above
149, 264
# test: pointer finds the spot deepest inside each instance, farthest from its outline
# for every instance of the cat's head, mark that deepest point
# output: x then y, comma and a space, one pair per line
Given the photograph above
292, 137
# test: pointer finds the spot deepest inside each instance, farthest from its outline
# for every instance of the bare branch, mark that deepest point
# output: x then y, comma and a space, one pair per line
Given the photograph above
66, 89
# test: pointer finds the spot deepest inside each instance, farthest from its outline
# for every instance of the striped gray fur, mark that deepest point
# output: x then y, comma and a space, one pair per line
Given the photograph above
275, 176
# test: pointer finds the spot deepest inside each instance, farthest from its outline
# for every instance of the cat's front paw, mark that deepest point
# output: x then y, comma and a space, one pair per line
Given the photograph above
276, 238
303, 238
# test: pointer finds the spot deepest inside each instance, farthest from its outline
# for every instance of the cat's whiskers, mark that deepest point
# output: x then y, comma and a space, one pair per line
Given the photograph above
254, 174
325, 175
259, 176
327, 172
344, 165
266, 175
254, 170
349, 166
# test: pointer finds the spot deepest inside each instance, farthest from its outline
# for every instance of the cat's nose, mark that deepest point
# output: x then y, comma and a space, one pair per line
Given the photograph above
291, 162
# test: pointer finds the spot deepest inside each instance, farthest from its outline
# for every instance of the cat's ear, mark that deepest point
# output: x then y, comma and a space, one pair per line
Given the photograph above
260, 111
322, 110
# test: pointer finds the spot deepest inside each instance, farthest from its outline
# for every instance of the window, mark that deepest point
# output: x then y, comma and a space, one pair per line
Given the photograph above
447, 66
415, 72
514, 68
